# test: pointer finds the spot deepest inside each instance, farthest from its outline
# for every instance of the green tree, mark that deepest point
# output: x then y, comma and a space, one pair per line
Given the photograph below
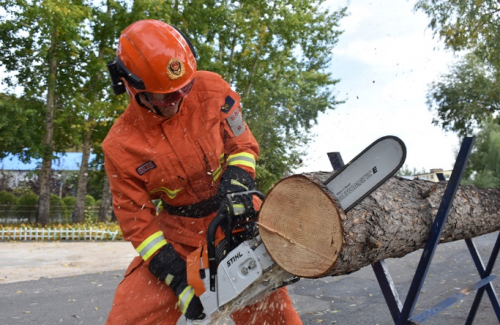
40, 43
465, 97
468, 98
21, 124
466, 25
275, 54
483, 168
406, 171
98, 107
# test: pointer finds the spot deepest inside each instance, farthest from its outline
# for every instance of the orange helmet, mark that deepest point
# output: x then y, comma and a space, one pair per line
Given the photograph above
153, 58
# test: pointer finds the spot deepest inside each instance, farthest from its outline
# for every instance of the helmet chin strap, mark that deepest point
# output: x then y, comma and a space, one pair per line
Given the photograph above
155, 109
144, 103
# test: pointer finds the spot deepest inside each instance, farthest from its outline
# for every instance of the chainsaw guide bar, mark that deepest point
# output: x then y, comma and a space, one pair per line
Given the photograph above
367, 171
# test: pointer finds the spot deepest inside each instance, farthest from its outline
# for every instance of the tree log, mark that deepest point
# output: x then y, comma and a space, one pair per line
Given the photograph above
308, 235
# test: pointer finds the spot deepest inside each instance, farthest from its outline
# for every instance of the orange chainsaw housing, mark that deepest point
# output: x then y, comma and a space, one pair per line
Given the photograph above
194, 266
198, 259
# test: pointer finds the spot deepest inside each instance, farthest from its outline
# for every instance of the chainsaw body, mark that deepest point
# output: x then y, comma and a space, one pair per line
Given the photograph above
229, 273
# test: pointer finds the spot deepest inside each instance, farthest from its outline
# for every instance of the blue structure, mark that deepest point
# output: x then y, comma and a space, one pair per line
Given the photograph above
64, 165
69, 161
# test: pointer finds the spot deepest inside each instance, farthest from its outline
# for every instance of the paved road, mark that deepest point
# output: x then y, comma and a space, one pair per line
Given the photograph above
350, 299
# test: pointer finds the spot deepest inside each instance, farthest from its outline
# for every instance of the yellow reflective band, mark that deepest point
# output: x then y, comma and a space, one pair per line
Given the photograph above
235, 182
242, 158
217, 173
185, 298
169, 279
221, 159
151, 245
159, 208
238, 209
170, 193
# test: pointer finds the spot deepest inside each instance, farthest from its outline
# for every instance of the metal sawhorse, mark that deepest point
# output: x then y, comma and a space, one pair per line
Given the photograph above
402, 313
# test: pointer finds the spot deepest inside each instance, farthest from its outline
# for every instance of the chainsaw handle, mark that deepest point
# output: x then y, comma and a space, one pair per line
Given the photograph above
205, 321
212, 259
212, 230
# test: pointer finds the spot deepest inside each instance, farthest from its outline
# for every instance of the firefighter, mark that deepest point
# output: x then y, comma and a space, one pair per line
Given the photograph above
181, 140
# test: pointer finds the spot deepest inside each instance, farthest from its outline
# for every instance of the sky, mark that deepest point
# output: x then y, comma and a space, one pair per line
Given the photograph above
386, 59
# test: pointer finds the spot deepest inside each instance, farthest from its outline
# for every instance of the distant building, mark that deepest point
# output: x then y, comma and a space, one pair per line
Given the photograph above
435, 175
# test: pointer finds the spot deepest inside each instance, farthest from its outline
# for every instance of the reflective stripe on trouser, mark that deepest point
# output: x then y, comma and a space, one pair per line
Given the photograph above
142, 299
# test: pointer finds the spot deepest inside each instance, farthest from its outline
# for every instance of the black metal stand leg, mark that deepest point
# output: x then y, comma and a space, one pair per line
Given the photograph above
484, 273
436, 230
388, 289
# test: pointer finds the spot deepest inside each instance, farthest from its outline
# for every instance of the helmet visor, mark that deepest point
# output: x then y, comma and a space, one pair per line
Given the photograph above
159, 99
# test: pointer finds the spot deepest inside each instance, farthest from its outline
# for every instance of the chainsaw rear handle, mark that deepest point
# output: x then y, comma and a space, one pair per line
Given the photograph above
212, 230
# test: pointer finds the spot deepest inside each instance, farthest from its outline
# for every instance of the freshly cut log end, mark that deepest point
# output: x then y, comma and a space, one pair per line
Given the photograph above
300, 224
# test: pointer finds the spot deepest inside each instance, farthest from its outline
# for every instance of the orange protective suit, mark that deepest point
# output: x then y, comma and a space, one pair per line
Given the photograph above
180, 161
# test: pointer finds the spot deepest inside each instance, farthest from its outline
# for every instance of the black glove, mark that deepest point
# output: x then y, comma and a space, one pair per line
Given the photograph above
239, 213
170, 268
234, 180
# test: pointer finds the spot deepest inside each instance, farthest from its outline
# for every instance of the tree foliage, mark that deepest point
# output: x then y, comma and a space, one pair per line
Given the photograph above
466, 25
21, 127
467, 100
40, 42
406, 171
483, 168
466, 96
274, 53
32, 33
97, 106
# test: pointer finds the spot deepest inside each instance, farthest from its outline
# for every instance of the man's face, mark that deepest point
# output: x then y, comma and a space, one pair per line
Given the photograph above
167, 109
166, 103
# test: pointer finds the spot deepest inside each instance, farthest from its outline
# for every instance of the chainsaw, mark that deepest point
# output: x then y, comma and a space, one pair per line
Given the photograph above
236, 270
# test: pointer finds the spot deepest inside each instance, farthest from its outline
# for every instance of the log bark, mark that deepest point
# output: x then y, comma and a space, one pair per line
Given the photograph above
308, 235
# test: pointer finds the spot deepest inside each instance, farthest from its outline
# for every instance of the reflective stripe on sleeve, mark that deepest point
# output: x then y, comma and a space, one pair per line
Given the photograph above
151, 245
185, 298
242, 158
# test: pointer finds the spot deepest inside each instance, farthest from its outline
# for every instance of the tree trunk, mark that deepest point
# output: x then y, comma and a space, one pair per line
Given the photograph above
307, 233
81, 188
43, 210
105, 200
